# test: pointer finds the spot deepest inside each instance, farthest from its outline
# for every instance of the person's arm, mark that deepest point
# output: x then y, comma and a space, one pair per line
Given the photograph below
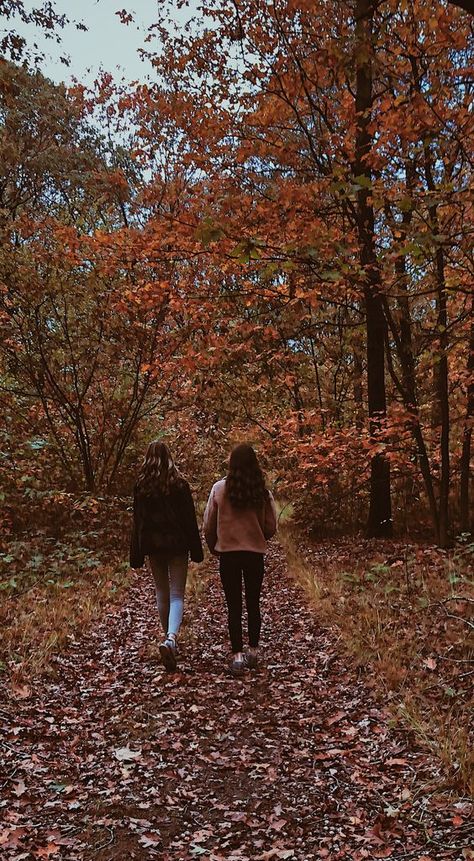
137, 557
270, 521
192, 528
210, 522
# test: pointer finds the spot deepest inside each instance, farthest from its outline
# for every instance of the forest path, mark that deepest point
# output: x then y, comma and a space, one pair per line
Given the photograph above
112, 759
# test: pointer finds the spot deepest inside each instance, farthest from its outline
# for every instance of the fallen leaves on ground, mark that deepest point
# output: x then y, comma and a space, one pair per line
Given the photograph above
110, 758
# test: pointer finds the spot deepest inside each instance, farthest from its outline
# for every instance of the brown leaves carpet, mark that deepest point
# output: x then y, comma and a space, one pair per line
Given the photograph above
109, 758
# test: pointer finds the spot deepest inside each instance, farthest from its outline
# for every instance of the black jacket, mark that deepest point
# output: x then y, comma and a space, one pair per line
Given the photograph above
166, 523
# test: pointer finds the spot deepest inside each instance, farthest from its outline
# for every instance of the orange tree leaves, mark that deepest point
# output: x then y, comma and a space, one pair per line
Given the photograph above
263, 116
225, 226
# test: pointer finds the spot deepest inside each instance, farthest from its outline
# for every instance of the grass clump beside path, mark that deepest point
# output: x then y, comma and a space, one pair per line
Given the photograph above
404, 613
57, 579
38, 614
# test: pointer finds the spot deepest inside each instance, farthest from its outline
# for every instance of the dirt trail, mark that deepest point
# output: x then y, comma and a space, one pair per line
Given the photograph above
112, 759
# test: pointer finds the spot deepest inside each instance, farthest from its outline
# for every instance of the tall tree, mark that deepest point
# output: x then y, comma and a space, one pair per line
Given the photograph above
94, 333
380, 511
465, 465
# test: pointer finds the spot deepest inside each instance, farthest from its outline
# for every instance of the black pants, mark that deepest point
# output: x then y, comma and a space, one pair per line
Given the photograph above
232, 566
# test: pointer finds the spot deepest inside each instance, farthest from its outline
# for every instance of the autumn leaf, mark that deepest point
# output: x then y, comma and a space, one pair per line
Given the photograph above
275, 853
125, 754
19, 787
47, 851
150, 839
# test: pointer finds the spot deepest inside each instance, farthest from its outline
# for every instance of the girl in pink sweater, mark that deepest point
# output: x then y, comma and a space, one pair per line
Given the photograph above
240, 516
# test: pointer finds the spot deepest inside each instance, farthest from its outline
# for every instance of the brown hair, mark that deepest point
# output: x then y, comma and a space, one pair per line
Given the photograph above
158, 472
245, 482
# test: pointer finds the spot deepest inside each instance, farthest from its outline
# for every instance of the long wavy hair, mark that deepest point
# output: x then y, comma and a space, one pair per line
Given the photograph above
159, 472
245, 482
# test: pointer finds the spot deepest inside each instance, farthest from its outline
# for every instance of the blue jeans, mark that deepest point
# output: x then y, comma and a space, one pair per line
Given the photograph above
169, 573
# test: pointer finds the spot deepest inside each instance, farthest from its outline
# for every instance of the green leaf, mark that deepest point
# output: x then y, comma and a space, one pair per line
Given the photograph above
363, 181
8, 584
411, 248
349, 578
208, 232
405, 204
380, 568
389, 588
246, 251
330, 275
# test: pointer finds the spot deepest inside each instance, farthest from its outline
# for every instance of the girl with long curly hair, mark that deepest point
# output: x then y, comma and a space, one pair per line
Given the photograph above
239, 519
165, 529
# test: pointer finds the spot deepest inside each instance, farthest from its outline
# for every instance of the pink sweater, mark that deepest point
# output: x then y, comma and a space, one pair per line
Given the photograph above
228, 528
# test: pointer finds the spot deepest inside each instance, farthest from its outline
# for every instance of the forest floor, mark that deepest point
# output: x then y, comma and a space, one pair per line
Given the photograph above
107, 757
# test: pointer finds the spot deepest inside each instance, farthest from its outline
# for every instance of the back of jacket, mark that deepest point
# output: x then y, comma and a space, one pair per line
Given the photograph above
163, 524
227, 528
166, 523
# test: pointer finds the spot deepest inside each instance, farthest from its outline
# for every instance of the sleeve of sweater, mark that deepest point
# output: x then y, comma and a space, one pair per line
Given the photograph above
137, 556
192, 528
210, 522
270, 523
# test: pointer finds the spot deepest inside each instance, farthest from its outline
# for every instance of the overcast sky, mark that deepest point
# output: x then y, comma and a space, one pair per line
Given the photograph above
107, 44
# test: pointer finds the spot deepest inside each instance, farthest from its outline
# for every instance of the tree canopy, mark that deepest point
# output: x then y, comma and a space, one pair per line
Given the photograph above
272, 240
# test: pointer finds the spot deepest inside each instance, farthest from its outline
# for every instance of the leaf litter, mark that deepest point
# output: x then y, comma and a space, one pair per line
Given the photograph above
109, 758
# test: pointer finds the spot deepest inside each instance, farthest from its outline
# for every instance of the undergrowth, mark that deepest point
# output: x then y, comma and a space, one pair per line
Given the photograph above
404, 614
50, 591
56, 578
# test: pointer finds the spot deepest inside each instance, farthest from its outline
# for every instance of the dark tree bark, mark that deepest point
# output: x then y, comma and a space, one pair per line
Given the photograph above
299, 406
467, 5
443, 398
380, 511
358, 387
403, 344
466, 524
407, 363
441, 371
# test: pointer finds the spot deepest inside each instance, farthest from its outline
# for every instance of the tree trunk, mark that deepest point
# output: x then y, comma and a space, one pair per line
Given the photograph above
380, 512
466, 524
358, 386
441, 358
443, 398
467, 5
407, 363
441, 377
318, 383
299, 409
